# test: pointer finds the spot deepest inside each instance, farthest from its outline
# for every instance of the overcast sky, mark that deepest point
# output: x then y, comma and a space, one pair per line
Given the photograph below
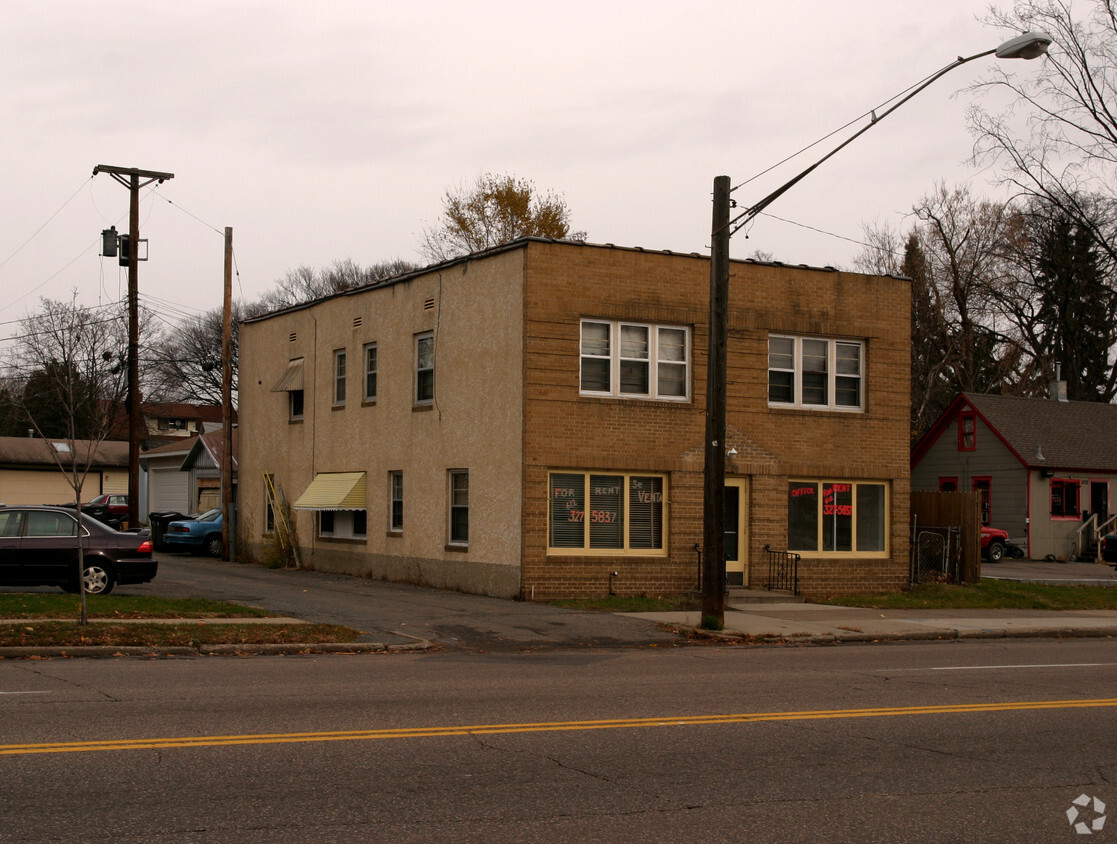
331, 130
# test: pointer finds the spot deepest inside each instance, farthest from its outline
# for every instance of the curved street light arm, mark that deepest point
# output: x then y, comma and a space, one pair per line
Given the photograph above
1029, 45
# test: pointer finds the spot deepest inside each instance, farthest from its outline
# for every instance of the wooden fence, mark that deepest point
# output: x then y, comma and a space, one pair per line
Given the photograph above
959, 510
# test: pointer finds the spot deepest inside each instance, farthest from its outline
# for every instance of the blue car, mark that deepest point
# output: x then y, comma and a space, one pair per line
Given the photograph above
201, 533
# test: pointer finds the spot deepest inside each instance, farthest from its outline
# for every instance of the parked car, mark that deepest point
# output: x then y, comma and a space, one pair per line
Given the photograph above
39, 547
110, 509
201, 533
994, 541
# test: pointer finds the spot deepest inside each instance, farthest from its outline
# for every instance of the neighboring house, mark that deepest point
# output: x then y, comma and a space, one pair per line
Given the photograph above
1044, 467
186, 475
169, 422
29, 474
529, 421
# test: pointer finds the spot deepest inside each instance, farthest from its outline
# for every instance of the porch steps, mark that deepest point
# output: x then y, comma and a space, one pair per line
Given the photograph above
740, 595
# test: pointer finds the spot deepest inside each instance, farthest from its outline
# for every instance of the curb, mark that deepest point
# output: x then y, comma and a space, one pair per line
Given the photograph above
292, 649
730, 637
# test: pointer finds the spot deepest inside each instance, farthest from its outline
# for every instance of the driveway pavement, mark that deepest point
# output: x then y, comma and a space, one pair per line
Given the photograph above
396, 613
401, 614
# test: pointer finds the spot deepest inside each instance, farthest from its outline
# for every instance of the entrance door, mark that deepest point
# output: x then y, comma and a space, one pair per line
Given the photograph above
736, 531
1099, 500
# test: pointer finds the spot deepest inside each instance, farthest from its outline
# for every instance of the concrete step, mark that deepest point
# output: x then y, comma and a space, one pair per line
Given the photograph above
740, 595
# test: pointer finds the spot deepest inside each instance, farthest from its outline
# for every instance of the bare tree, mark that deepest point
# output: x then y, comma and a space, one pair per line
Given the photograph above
68, 359
186, 367
1057, 139
494, 210
304, 284
956, 255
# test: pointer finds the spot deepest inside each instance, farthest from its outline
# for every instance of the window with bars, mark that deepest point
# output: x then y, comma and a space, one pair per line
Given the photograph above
815, 373
635, 360
606, 513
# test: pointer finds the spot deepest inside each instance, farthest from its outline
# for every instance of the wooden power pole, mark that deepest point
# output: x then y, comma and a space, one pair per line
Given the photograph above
131, 178
228, 524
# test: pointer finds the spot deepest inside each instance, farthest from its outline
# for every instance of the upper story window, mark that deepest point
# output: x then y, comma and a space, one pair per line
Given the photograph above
815, 372
424, 368
295, 404
634, 360
967, 431
339, 377
370, 372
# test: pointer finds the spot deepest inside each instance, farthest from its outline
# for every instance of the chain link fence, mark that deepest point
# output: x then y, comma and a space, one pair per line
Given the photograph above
936, 554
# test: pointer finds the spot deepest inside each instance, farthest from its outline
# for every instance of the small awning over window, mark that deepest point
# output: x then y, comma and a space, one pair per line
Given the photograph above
334, 491
292, 378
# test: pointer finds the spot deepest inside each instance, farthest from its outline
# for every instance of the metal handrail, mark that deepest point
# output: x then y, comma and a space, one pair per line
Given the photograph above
783, 570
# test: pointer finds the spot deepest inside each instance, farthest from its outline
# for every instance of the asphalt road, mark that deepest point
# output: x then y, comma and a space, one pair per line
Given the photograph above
399, 613
985, 741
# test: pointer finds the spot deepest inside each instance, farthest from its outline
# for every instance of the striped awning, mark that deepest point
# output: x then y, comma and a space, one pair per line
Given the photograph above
292, 378
335, 491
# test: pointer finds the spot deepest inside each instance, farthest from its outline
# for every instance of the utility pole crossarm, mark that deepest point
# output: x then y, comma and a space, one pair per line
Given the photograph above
153, 175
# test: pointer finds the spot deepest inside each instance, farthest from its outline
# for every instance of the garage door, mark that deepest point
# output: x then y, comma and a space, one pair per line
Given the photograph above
168, 489
47, 486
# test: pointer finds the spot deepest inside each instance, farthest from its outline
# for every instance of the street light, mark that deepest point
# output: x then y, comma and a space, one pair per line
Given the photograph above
1030, 45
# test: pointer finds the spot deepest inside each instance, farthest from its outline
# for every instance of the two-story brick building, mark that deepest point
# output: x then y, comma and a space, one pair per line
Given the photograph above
529, 421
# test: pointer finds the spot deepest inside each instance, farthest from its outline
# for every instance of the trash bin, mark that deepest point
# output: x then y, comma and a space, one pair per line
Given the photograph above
159, 522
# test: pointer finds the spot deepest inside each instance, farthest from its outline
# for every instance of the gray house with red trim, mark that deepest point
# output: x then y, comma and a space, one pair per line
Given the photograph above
1046, 468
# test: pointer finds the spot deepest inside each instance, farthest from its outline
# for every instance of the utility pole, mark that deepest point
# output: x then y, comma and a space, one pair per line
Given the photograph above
228, 533
131, 177
713, 496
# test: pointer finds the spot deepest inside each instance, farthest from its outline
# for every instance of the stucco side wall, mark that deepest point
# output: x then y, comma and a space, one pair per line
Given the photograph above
474, 310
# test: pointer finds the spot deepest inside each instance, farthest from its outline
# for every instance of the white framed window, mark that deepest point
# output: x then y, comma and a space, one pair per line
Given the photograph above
339, 377
395, 502
424, 368
837, 517
459, 507
295, 404
607, 513
815, 372
370, 371
635, 360
343, 524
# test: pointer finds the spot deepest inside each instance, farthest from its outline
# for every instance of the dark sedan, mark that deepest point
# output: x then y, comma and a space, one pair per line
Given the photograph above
39, 547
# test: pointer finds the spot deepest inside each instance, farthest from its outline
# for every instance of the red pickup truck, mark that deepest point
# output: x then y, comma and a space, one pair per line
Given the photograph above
993, 543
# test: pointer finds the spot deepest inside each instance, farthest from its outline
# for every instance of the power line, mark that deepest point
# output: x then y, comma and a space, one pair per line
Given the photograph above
45, 223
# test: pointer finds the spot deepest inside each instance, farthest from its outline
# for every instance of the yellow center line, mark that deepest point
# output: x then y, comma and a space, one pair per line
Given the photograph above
544, 726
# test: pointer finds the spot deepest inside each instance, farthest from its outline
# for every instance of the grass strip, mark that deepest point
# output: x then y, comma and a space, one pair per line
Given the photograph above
60, 605
71, 634
988, 594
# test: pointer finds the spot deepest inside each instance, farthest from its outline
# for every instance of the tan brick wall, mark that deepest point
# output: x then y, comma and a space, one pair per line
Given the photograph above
566, 431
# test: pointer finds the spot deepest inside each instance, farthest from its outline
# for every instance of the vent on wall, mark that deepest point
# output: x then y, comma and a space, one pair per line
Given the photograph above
357, 321
293, 337
428, 303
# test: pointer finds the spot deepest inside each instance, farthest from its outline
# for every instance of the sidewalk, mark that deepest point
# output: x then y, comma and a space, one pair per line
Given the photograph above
802, 622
